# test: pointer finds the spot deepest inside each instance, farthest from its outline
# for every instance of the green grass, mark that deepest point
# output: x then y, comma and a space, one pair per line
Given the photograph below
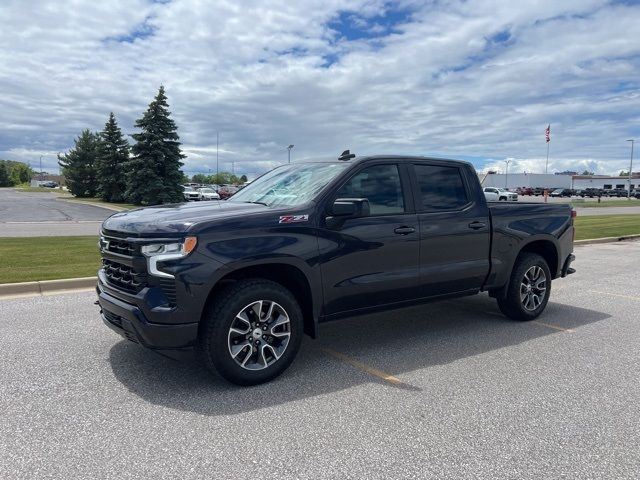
634, 202
598, 226
48, 258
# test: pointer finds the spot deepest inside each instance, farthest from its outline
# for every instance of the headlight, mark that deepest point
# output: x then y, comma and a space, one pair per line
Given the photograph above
160, 252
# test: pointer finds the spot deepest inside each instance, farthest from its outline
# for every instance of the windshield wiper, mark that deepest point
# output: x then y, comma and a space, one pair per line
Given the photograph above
258, 203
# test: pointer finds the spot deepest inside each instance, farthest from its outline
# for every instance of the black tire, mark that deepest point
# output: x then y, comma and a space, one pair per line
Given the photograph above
513, 305
215, 342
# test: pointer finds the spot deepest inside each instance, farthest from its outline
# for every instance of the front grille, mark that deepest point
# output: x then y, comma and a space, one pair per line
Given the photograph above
123, 276
122, 247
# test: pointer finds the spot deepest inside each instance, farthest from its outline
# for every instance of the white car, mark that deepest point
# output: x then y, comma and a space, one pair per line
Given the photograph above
208, 194
493, 194
190, 194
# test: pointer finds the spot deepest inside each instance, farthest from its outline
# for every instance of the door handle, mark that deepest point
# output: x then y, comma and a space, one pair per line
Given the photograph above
477, 225
404, 230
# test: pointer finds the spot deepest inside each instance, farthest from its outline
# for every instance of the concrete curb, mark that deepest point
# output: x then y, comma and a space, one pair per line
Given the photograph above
46, 287
592, 241
99, 205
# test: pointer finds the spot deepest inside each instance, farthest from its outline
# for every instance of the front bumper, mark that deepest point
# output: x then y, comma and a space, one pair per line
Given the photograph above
129, 321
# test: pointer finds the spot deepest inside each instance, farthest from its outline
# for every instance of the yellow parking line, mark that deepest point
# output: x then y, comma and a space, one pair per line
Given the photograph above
631, 297
555, 327
365, 368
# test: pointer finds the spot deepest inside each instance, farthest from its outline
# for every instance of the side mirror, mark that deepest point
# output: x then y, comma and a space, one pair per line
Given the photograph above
349, 208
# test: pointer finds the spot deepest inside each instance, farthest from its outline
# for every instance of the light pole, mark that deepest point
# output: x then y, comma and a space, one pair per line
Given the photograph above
630, 168
289, 151
217, 163
41, 167
506, 175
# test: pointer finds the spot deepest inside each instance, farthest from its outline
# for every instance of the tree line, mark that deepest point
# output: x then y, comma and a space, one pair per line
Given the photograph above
103, 164
222, 178
14, 173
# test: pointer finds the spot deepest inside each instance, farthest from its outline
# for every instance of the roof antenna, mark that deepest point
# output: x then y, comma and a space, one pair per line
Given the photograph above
346, 155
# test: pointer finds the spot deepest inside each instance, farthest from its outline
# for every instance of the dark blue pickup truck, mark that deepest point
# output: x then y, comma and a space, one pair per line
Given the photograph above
241, 280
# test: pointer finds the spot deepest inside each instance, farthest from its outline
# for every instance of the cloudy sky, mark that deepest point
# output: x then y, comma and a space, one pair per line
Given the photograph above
478, 80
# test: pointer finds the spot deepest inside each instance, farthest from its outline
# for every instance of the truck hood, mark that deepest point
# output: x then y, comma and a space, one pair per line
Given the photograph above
176, 218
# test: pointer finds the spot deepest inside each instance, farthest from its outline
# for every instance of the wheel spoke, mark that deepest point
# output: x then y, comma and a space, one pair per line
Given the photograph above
239, 332
257, 311
270, 311
276, 356
247, 357
242, 316
282, 320
236, 349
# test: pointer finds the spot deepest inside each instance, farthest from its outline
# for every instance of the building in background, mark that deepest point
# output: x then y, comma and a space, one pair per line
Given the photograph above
551, 181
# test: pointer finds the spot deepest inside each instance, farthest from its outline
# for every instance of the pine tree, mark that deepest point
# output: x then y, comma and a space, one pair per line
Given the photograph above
5, 180
78, 166
154, 171
112, 155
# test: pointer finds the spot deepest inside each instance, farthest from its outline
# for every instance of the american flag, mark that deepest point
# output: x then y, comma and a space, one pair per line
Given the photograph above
547, 133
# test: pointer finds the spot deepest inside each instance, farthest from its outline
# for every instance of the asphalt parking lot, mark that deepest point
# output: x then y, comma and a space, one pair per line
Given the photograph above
27, 214
446, 390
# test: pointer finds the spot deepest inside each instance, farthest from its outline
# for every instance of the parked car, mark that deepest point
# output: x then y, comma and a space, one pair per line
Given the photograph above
635, 193
48, 184
208, 194
591, 192
562, 192
191, 194
503, 194
539, 191
524, 191
491, 194
227, 191
617, 192
312, 242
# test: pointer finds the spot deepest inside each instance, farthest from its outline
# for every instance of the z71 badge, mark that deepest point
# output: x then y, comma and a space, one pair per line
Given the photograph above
293, 218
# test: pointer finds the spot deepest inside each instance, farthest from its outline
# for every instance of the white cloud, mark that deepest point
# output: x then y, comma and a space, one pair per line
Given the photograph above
459, 78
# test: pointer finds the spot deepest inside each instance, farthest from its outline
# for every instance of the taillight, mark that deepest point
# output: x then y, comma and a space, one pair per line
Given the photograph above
574, 214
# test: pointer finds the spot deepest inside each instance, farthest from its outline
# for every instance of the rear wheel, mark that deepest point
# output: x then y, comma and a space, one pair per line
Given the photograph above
529, 288
252, 332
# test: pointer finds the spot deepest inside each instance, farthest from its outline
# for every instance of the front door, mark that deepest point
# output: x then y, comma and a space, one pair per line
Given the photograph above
373, 260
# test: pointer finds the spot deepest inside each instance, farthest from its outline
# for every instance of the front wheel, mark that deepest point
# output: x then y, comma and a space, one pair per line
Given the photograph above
529, 288
252, 332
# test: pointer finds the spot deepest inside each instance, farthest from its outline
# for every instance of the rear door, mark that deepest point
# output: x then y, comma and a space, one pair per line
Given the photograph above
455, 230
373, 260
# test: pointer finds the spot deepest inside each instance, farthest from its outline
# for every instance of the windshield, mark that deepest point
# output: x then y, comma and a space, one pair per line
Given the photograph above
290, 184
206, 190
189, 190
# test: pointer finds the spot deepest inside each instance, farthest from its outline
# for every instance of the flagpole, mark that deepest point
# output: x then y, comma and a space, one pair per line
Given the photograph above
546, 165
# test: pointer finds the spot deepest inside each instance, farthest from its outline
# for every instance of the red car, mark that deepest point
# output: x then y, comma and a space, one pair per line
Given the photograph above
524, 191
226, 191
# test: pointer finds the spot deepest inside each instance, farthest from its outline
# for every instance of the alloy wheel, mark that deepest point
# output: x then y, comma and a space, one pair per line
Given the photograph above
533, 288
259, 335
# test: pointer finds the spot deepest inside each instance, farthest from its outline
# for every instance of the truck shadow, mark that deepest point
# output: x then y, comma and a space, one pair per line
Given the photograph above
396, 342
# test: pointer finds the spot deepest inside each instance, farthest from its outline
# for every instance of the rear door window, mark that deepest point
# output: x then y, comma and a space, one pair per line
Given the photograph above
440, 188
